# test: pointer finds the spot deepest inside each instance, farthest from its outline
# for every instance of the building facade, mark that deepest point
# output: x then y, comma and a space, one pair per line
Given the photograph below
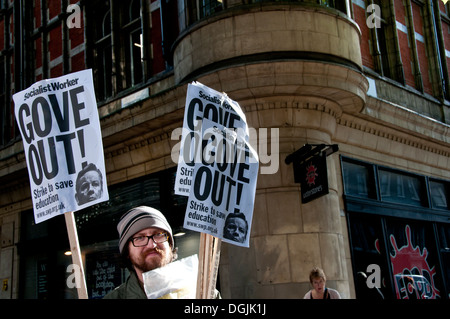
369, 76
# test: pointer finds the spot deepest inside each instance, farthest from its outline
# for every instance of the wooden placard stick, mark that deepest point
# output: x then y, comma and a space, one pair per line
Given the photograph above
201, 258
203, 265
207, 266
215, 260
76, 254
209, 258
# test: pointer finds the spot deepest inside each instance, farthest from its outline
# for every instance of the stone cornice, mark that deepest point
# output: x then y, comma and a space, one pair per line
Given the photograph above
317, 103
401, 118
378, 130
398, 124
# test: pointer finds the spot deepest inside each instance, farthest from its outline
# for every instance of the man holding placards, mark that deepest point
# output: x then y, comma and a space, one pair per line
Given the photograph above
146, 243
217, 170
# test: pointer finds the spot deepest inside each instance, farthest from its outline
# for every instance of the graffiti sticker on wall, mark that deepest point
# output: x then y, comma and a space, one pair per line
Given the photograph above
413, 276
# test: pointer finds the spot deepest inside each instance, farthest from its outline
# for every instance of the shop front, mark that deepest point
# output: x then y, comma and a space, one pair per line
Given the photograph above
399, 231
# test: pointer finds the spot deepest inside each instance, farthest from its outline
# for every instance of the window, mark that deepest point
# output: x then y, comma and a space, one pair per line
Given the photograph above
400, 222
386, 50
2, 80
387, 185
413, 260
4, 114
134, 46
358, 179
7, 126
444, 247
429, 40
407, 39
406, 251
440, 194
368, 248
208, 7
442, 86
199, 9
127, 40
337, 4
42, 261
46, 48
103, 65
34, 46
401, 188
421, 41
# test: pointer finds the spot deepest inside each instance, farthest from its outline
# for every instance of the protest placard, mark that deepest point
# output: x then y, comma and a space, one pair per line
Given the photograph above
60, 127
217, 169
222, 193
202, 102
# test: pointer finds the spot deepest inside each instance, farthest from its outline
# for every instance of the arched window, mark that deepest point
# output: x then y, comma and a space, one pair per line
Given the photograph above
132, 43
103, 56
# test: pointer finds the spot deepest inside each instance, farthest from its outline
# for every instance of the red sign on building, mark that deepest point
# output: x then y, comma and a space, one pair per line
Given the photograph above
314, 178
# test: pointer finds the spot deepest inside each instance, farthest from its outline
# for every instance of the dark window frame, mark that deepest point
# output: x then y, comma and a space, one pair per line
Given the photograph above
389, 208
9, 132
385, 44
386, 212
127, 65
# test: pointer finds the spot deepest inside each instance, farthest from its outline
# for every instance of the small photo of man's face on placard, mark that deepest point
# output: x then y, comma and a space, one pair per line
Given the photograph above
89, 184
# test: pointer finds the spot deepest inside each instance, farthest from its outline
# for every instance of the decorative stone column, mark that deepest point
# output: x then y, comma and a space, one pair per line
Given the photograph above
289, 238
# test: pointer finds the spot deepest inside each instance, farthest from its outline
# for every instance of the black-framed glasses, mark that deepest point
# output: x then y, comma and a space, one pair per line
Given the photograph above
141, 241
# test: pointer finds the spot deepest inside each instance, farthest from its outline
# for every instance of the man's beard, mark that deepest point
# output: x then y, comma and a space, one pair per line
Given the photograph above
161, 259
